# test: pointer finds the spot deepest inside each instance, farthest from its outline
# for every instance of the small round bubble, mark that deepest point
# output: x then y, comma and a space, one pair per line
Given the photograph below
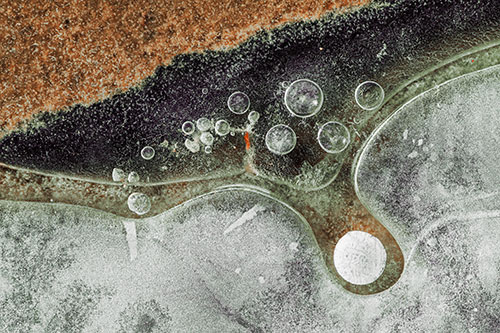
188, 127
333, 137
238, 102
203, 124
208, 149
204, 91
303, 98
133, 177
222, 127
139, 203
192, 145
147, 152
118, 175
369, 95
253, 116
206, 138
281, 139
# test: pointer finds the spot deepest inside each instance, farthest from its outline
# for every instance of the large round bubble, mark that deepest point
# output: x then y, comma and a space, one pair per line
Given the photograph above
369, 95
238, 102
303, 98
333, 137
281, 139
359, 257
139, 203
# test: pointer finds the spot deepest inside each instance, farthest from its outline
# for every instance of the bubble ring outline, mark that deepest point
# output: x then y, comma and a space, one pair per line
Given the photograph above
234, 93
357, 100
275, 151
334, 151
320, 104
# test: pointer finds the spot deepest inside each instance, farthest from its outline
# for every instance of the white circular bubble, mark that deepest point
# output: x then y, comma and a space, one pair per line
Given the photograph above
303, 98
188, 127
238, 102
133, 177
139, 203
204, 91
147, 152
206, 138
281, 139
253, 117
203, 124
118, 175
359, 257
369, 95
334, 137
192, 145
208, 149
222, 127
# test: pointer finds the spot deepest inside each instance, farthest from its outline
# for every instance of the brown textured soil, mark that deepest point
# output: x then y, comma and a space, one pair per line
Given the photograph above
57, 53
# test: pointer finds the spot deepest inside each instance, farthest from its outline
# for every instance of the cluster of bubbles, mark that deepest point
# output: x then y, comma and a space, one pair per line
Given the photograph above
138, 203
304, 98
201, 135
201, 131
119, 175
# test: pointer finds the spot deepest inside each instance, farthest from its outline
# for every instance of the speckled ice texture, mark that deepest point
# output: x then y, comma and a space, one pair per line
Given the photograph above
67, 269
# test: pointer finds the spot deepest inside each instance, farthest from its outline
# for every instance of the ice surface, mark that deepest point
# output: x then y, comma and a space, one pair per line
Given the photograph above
436, 158
68, 268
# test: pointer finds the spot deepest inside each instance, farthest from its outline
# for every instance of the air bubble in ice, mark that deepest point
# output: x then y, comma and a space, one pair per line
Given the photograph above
253, 116
238, 102
118, 175
359, 257
147, 152
222, 127
133, 177
192, 145
369, 95
303, 98
333, 137
139, 203
203, 124
281, 139
206, 138
188, 127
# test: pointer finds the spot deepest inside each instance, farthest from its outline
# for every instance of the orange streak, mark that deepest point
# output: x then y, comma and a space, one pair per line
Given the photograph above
247, 141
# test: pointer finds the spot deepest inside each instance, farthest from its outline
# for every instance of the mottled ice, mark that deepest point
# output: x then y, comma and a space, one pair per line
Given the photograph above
66, 268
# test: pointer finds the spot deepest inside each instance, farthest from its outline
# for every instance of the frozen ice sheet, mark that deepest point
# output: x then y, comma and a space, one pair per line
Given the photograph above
68, 268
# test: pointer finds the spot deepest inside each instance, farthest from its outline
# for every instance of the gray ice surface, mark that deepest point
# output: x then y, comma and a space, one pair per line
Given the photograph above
73, 269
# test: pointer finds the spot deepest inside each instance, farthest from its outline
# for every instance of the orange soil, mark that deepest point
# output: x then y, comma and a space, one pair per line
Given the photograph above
57, 53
